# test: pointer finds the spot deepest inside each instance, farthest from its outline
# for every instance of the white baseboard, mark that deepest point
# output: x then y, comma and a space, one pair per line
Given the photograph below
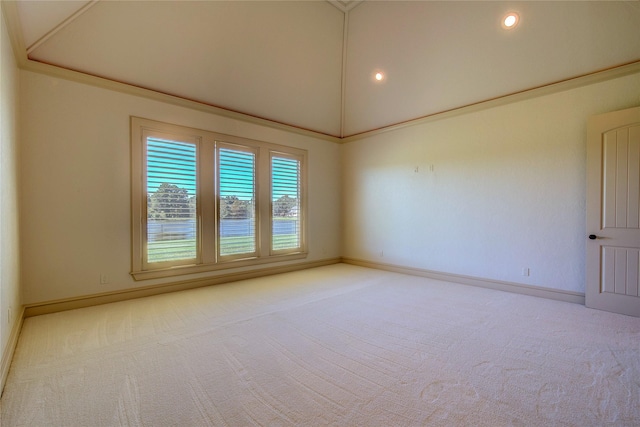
104, 298
536, 291
7, 355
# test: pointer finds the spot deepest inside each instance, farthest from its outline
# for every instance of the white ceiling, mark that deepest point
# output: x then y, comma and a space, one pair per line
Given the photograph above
292, 62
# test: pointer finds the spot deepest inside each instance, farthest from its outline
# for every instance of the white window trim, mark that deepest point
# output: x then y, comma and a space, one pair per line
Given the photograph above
207, 258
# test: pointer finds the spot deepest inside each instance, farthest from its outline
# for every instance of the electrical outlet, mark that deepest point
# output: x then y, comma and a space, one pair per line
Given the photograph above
10, 315
104, 279
525, 271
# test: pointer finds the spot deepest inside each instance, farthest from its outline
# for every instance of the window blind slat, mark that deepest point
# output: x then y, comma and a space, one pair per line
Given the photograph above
236, 210
171, 201
285, 202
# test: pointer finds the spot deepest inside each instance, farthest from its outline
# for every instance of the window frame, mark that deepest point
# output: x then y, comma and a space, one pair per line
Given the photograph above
301, 196
208, 256
256, 222
144, 212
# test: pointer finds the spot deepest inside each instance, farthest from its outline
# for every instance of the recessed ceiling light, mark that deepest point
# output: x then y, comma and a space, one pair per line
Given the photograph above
378, 76
510, 20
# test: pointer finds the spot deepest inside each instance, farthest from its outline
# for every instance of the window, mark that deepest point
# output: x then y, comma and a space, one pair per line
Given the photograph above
171, 201
236, 210
285, 203
203, 201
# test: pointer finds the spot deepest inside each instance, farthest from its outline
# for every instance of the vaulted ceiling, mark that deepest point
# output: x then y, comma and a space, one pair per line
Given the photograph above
311, 64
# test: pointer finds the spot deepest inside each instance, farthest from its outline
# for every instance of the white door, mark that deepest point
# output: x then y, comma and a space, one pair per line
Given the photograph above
613, 218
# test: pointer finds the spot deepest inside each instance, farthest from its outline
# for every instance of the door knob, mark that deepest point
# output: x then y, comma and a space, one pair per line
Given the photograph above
593, 236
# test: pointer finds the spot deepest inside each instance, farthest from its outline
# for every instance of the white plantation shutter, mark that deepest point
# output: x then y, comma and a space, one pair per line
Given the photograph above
171, 201
236, 207
203, 201
285, 203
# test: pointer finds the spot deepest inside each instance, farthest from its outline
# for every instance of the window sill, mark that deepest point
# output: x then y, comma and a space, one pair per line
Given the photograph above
203, 268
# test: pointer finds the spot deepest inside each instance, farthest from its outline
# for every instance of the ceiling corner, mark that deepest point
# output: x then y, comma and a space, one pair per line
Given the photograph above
345, 5
14, 29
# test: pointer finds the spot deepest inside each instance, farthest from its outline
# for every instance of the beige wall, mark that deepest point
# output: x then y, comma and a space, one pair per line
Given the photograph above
507, 189
76, 185
9, 243
484, 194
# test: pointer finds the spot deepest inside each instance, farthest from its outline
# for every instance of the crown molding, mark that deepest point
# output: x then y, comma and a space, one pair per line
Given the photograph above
126, 88
61, 25
345, 5
12, 20
10, 12
548, 89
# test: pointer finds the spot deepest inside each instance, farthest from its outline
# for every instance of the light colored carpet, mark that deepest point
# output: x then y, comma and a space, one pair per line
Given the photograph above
336, 346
